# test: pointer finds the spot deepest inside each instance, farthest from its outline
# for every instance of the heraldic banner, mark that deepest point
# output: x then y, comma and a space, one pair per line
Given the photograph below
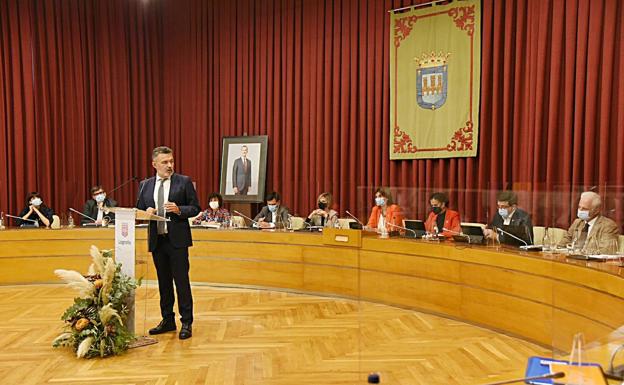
435, 70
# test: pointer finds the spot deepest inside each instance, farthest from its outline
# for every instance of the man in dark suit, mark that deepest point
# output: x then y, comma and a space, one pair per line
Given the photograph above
95, 207
512, 220
173, 196
273, 214
241, 173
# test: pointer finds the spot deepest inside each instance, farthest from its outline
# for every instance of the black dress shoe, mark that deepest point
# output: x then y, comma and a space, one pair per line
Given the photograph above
186, 331
163, 327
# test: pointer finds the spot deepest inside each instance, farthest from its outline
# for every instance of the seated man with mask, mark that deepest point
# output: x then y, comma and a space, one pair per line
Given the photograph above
510, 219
95, 208
273, 214
590, 229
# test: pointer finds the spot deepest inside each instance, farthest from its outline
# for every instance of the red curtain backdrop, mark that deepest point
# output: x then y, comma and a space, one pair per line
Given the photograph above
88, 88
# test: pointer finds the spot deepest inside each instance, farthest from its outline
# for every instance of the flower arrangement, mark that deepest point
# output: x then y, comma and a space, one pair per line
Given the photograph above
94, 323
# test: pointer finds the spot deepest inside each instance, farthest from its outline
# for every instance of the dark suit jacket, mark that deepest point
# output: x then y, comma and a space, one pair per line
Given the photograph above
45, 210
282, 216
241, 178
91, 210
182, 193
519, 226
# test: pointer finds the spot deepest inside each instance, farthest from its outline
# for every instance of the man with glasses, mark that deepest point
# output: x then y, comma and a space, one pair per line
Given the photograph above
511, 220
95, 209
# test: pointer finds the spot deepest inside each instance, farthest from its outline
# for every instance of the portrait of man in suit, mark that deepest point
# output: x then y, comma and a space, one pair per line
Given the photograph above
241, 173
243, 168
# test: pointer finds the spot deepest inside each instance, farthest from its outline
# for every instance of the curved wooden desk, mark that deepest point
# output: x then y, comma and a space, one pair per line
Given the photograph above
542, 298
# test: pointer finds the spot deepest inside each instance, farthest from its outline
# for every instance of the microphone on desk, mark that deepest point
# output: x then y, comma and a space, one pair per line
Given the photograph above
123, 184
354, 217
458, 233
402, 228
526, 246
84, 215
245, 216
527, 379
22, 219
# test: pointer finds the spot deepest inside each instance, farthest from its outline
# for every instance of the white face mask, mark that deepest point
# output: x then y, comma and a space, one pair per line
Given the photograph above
583, 214
214, 205
36, 202
100, 198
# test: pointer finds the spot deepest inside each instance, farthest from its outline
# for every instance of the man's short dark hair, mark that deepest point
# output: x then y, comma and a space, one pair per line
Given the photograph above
161, 150
96, 188
273, 195
440, 197
218, 196
507, 196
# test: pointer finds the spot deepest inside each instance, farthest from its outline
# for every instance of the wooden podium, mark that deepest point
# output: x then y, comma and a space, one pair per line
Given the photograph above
125, 246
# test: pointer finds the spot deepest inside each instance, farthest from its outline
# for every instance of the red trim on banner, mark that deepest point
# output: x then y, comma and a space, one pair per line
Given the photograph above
462, 138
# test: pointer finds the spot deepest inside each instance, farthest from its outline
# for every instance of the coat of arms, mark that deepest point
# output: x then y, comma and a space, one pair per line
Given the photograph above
432, 80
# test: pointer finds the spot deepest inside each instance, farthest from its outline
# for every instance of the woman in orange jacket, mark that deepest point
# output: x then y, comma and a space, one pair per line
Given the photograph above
442, 220
385, 213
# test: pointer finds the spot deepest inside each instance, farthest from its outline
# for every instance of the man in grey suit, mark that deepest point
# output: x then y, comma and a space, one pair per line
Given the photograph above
591, 232
273, 215
241, 173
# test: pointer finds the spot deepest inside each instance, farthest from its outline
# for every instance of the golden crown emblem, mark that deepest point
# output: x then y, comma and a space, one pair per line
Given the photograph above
427, 60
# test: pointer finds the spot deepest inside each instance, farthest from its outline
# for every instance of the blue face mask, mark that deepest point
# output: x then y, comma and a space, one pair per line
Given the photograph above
272, 208
380, 201
100, 198
583, 214
503, 213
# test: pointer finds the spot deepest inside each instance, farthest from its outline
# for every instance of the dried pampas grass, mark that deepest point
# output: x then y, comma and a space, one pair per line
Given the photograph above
107, 313
98, 259
76, 281
84, 347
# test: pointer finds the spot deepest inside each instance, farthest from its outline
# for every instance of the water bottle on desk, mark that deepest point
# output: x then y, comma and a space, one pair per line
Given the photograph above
70, 221
546, 241
2, 221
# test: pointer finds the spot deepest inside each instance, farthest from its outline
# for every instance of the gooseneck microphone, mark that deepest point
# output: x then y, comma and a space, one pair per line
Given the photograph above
511, 235
354, 217
457, 233
123, 184
245, 216
526, 246
21, 219
142, 184
84, 215
402, 228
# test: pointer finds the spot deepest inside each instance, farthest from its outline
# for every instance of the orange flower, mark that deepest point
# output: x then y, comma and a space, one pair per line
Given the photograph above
81, 324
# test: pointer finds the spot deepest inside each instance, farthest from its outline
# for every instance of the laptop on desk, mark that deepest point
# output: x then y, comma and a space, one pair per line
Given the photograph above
417, 226
471, 234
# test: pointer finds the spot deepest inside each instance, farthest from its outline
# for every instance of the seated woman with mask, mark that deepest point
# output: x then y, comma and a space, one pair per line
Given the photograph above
324, 215
441, 219
385, 214
216, 214
35, 213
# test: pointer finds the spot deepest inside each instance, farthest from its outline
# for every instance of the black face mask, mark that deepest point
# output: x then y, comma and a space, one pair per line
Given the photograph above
322, 205
436, 210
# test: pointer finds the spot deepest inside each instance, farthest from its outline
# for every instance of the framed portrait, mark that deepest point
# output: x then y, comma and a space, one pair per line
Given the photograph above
243, 168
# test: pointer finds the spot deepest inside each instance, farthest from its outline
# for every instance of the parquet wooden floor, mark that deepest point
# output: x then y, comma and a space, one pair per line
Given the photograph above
253, 337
